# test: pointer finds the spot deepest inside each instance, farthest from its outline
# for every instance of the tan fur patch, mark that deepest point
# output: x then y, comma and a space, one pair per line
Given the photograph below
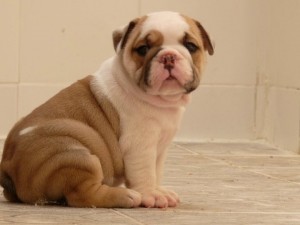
132, 31
153, 40
197, 28
42, 163
202, 40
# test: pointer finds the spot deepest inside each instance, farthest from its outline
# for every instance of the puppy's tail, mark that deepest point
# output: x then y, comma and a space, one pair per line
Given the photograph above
9, 187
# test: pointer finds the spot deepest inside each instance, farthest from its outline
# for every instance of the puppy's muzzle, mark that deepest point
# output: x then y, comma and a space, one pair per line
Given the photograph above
169, 60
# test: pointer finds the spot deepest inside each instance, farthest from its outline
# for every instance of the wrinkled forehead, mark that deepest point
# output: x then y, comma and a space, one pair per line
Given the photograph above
170, 24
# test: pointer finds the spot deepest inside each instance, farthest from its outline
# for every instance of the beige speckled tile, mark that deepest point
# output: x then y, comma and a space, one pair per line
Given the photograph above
261, 161
154, 217
27, 214
291, 174
215, 183
251, 148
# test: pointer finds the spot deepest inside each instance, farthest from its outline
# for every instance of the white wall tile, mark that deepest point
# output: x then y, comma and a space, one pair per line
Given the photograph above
63, 40
279, 67
33, 95
219, 112
284, 52
249, 90
9, 40
286, 134
8, 108
283, 118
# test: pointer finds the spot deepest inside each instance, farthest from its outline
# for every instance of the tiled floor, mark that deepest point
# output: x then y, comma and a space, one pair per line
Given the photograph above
231, 183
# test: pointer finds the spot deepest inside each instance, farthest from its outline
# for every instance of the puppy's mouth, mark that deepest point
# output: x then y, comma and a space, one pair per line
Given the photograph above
171, 77
168, 73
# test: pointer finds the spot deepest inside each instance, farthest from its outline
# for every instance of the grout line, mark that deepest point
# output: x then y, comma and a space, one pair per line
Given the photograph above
264, 142
54, 84
280, 87
247, 169
273, 177
185, 149
126, 216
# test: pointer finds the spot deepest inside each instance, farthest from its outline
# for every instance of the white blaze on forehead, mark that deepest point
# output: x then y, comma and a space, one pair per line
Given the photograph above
171, 24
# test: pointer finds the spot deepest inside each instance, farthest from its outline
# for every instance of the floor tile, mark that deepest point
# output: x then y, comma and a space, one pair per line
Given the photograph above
218, 183
254, 148
153, 217
261, 161
27, 214
290, 174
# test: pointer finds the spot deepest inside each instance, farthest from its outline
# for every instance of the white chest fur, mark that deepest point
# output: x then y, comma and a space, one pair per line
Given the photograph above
140, 121
146, 129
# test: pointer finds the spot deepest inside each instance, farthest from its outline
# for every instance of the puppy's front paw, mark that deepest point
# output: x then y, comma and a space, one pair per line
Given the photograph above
160, 198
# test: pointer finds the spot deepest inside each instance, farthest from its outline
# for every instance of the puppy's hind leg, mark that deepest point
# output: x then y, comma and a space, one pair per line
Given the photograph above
70, 166
88, 191
92, 194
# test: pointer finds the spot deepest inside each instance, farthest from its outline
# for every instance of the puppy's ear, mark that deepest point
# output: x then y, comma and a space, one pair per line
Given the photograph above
117, 37
208, 44
121, 35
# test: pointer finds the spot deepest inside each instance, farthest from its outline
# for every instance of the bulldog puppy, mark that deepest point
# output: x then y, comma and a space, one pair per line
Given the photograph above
113, 127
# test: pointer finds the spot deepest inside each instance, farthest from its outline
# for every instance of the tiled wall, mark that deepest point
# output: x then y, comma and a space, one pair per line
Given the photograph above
47, 44
279, 67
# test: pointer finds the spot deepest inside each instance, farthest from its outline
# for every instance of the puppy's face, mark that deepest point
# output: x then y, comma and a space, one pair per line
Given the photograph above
163, 53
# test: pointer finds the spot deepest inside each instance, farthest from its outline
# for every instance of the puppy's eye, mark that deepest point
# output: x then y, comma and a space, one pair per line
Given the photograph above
191, 47
142, 50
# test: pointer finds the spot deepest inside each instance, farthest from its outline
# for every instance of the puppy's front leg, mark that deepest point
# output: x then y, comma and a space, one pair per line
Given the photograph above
141, 175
